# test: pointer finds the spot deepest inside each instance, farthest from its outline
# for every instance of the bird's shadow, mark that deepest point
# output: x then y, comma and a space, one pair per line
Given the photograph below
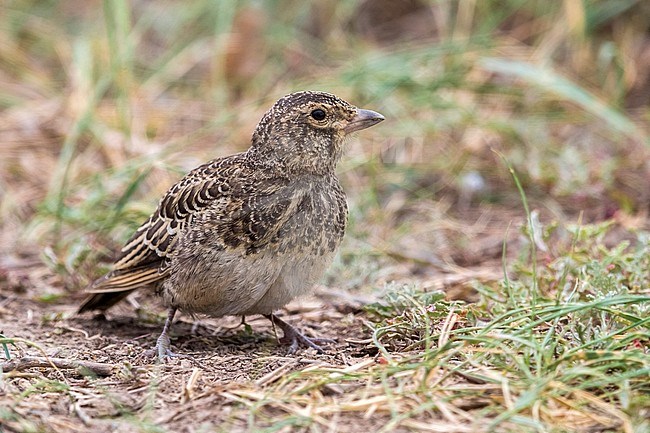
186, 337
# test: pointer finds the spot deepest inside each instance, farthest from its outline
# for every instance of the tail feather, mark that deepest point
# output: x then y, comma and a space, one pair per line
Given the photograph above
115, 286
102, 301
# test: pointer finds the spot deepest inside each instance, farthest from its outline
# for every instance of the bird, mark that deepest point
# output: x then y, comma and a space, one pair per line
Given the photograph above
245, 234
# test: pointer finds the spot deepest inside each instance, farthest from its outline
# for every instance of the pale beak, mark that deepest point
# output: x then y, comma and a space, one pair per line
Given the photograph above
364, 119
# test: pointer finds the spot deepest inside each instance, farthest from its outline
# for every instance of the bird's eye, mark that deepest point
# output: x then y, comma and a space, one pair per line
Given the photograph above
318, 114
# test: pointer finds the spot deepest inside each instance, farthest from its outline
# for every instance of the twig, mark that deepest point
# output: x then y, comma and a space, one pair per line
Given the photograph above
26, 362
28, 343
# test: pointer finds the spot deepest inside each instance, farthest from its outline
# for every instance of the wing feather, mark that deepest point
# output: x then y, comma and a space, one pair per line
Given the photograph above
145, 257
154, 241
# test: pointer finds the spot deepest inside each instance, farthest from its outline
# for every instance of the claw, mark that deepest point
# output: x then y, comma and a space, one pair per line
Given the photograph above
163, 343
295, 338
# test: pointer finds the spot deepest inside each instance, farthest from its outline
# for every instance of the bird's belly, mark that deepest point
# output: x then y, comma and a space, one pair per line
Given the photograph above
234, 284
297, 277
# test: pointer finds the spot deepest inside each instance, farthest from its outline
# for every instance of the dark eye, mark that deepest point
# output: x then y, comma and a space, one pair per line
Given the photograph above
318, 114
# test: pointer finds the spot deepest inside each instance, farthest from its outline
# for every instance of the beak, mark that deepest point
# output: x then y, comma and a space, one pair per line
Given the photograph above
364, 119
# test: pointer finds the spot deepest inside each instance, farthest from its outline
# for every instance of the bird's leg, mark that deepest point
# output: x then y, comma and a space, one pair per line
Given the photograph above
163, 343
247, 328
295, 337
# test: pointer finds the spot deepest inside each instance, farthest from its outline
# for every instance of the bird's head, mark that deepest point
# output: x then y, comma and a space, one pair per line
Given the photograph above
305, 131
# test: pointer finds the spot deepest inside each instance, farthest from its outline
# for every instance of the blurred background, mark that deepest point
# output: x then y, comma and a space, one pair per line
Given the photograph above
103, 105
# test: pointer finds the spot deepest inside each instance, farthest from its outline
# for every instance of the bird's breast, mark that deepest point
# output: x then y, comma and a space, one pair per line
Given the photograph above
317, 224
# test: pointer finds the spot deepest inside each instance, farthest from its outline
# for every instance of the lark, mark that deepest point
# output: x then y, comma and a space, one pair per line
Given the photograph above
246, 233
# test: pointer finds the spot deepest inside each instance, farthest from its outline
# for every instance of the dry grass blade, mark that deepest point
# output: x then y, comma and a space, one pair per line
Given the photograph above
188, 389
83, 367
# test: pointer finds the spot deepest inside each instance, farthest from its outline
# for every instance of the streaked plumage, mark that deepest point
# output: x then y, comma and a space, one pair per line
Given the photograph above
246, 233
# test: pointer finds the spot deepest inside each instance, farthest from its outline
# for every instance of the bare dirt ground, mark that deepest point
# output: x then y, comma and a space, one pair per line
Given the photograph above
222, 358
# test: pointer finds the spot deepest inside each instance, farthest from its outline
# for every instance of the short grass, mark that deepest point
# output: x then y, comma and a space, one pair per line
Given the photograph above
562, 349
513, 166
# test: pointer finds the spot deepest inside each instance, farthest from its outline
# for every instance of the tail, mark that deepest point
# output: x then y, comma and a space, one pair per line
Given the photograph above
115, 286
102, 301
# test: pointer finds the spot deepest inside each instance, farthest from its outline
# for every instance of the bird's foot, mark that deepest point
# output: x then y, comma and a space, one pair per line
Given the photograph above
295, 338
163, 343
162, 350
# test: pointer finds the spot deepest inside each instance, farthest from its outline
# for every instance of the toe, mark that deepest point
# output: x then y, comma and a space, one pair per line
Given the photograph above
296, 338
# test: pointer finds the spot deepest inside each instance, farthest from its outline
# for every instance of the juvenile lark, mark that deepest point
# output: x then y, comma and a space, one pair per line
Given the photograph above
247, 233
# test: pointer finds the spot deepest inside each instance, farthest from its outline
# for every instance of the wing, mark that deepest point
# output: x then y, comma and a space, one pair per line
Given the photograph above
143, 260
200, 189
